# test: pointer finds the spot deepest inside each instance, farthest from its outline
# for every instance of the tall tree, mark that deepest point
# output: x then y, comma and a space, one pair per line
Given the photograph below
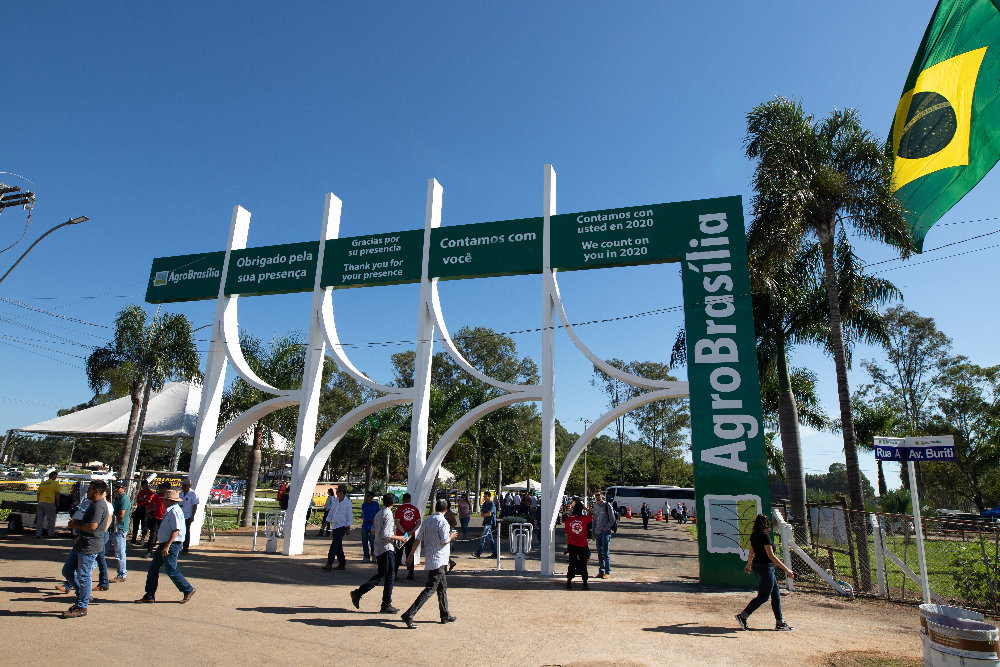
660, 423
143, 355
810, 178
616, 392
871, 419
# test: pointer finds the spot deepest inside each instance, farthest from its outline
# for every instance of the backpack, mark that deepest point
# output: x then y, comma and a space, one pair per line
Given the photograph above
613, 516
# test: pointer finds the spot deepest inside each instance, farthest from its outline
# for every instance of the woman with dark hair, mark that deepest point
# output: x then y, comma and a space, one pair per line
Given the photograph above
761, 561
578, 531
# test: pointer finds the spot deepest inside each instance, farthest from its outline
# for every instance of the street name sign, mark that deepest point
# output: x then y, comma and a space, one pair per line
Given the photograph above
939, 448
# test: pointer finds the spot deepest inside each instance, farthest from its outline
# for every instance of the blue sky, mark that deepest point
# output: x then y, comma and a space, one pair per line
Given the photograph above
154, 120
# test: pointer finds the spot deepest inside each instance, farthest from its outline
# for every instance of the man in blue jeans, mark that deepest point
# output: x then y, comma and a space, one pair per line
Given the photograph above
89, 542
118, 530
369, 509
604, 519
488, 512
170, 539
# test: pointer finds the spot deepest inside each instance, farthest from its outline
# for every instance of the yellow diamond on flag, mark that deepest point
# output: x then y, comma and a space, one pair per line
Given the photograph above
931, 128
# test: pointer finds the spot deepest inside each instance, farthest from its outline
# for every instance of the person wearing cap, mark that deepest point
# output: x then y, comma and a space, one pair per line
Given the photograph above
142, 501
48, 498
118, 530
89, 542
170, 537
189, 504
383, 533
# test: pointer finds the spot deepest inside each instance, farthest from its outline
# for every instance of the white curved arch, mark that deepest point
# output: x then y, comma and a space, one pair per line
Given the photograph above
231, 340
337, 350
451, 436
220, 446
602, 422
310, 474
631, 379
449, 346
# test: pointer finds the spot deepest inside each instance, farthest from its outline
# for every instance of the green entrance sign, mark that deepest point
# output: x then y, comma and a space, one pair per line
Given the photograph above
185, 277
377, 259
276, 269
629, 236
485, 249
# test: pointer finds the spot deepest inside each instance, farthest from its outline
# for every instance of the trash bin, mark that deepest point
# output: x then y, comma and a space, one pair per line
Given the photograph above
959, 641
933, 611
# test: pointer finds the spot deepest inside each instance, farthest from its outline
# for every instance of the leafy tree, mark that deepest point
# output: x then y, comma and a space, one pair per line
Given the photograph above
661, 423
281, 365
811, 177
616, 392
878, 418
142, 356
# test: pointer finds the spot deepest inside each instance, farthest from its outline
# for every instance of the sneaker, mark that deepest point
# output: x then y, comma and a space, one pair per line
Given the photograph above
476, 555
356, 599
784, 627
74, 612
448, 619
388, 609
118, 580
409, 622
188, 595
146, 599
741, 619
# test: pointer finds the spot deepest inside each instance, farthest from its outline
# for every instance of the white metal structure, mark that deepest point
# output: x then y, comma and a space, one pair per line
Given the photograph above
632, 497
209, 449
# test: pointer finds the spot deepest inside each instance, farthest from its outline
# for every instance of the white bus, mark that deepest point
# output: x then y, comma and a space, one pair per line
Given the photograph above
632, 497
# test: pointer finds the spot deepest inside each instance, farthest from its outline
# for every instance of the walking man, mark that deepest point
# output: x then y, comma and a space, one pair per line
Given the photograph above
407, 520
169, 537
645, 513
383, 532
48, 498
437, 537
488, 512
604, 520
342, 521
120, 507
369, 509
89, 542
189, 504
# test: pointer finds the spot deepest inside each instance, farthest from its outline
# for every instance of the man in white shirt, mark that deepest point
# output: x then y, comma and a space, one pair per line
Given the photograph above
437, 537
341, 520
169, 537
383, 531
189, 504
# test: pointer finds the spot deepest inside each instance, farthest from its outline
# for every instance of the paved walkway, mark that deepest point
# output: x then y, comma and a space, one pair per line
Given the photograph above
255, 608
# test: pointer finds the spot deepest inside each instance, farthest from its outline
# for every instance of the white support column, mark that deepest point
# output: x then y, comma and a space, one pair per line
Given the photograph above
921, 557
215, 373
425, 347
312, 384
879, 557
549, 501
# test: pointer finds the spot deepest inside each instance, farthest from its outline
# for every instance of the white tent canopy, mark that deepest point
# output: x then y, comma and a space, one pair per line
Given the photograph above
172, 412
519, 486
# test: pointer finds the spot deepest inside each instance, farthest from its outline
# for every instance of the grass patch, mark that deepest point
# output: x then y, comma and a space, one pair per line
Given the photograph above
693, 529
868, 659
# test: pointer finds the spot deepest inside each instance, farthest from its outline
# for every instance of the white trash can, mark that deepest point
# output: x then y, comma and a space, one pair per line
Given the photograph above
956, 641
936, 611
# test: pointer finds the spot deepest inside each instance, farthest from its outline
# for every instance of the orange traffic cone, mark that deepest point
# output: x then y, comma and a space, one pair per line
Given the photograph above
628, 512
659, 515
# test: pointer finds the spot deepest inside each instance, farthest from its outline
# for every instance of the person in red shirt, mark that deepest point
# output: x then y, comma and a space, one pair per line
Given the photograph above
407, 518
577, 527
154, 515
141, 506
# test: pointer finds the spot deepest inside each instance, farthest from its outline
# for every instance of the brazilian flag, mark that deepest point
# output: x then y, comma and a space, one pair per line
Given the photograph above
946, 133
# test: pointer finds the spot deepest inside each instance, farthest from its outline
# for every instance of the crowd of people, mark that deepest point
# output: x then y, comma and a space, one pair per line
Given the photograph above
390, 538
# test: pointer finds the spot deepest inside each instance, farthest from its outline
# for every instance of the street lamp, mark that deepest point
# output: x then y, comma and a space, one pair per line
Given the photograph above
72, 221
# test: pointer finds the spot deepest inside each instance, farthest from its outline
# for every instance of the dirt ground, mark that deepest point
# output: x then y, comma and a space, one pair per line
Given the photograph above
251, 608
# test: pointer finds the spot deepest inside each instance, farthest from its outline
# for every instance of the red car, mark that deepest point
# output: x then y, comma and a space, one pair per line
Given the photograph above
220, 494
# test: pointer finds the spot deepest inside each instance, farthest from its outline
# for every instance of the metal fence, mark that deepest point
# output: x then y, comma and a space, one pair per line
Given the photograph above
877, 554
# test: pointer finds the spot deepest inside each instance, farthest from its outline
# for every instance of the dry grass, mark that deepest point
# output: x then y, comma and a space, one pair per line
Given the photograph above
867, 659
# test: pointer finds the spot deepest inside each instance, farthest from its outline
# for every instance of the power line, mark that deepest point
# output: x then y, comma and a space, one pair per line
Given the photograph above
937, 259
947, 245
21, 304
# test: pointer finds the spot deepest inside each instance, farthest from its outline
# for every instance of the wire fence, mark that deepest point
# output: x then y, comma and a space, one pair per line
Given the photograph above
877, 554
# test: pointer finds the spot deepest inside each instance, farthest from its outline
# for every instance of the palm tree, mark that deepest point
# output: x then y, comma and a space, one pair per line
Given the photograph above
870, 420
142, 356
281, 365
811, 177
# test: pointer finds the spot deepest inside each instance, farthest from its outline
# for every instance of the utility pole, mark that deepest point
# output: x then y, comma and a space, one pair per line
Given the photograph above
586, 490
